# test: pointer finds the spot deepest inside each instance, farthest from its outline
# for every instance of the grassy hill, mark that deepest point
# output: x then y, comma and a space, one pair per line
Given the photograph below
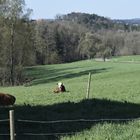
114, 93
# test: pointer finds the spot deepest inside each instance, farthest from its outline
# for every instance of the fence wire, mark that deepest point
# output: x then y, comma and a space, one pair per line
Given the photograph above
4, 120
48, 134
79, 120
63, 121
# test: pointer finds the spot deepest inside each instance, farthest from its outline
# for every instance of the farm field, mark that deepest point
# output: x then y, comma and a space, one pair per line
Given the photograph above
133, 59
114, 94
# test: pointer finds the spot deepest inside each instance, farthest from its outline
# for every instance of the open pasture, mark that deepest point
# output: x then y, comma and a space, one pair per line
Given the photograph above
114, 93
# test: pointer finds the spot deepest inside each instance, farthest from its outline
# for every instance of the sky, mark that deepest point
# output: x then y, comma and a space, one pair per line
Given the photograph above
113, 9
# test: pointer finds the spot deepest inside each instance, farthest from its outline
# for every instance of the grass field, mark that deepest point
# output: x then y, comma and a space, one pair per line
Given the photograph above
114, 93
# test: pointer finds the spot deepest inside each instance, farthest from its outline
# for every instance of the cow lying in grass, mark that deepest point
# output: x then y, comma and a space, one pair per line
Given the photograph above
60, 88
6, 99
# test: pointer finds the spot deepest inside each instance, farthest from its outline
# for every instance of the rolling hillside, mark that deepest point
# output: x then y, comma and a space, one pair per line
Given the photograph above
114, 93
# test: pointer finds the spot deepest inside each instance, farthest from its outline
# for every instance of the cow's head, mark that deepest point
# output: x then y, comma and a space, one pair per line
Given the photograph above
59, 84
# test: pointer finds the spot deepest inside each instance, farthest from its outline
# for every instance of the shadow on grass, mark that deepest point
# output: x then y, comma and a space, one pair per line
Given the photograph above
85, 109
58, 75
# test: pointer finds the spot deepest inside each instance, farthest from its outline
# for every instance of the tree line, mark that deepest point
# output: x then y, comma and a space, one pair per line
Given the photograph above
67, 38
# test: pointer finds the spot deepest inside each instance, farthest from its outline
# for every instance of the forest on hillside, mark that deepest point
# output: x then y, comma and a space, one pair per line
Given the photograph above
67, 38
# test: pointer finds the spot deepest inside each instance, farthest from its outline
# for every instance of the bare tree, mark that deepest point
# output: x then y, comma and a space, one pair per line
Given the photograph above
12, 12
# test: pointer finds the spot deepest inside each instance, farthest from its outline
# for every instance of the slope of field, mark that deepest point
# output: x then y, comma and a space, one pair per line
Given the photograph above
131, 58
114, 93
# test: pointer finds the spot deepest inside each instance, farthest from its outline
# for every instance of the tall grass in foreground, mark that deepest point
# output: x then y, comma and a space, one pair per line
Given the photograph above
114, 93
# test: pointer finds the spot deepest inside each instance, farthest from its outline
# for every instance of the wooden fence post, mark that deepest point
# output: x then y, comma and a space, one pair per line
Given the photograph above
88, 86
12, 125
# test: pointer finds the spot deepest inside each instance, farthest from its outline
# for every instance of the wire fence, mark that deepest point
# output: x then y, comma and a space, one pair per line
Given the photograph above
4, 120
59, 121
80, 120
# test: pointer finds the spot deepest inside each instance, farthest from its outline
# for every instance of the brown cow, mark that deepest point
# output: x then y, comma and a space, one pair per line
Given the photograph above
60, 88
6, 99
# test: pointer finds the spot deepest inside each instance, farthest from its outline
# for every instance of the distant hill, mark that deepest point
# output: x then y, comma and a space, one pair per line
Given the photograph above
89, 20
135, 21
96, 22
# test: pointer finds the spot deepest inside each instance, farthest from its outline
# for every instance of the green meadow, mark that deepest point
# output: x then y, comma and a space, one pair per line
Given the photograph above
114, 93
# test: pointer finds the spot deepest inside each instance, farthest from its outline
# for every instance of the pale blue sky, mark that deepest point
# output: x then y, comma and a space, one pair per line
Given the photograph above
114, 9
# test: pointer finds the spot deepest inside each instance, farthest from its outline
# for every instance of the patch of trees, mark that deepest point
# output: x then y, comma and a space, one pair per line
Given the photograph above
77, 36
67, 41
71, 37
16, 33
